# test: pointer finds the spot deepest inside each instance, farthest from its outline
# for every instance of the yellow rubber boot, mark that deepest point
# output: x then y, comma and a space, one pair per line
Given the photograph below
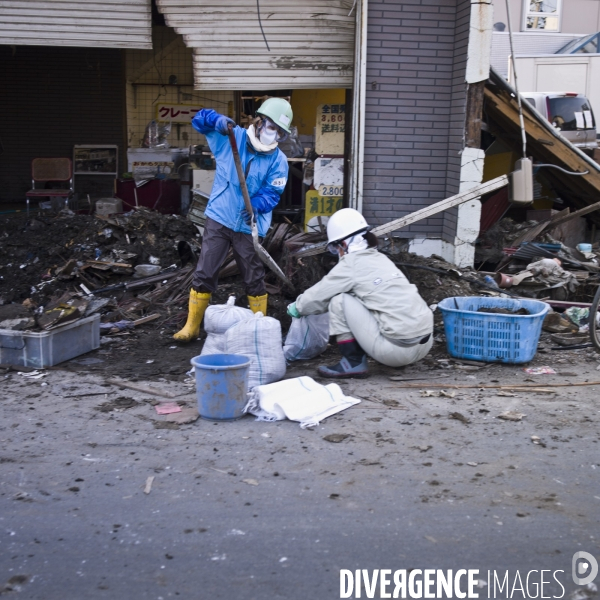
258, 303
197, 307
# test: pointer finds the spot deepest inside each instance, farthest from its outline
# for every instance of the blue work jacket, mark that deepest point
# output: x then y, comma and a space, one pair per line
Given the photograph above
266, 176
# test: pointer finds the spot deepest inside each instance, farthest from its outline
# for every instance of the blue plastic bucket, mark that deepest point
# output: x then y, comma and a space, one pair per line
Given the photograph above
492, 337
221, 384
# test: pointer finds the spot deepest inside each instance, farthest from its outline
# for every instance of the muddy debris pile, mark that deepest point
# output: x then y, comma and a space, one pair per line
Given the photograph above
51, 266
545, 258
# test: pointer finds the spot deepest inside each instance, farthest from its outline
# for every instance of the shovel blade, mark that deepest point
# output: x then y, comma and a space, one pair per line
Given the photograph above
266, 258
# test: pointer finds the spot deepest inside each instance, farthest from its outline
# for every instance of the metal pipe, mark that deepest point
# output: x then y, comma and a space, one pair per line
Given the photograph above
514, 70
364, 8
358, 108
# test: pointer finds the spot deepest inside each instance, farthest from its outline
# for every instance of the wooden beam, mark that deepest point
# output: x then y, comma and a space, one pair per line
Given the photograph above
472, 194
577, 213
474, 112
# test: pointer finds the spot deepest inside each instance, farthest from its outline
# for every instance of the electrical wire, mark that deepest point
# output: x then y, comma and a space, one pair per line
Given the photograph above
260, 23
561, 169
514, 67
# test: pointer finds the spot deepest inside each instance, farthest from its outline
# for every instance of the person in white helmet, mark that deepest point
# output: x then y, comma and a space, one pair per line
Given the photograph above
373, 309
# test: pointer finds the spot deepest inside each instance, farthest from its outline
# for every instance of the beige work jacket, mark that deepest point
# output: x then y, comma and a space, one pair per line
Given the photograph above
378, 283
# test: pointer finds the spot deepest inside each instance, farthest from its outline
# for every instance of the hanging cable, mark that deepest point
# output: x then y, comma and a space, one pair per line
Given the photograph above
514, 68
561, 169
260, 23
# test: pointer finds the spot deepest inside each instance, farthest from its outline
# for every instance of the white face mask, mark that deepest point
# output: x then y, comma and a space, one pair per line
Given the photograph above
267, 136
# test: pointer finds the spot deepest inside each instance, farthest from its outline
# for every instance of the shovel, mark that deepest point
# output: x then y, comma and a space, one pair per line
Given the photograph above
264, 256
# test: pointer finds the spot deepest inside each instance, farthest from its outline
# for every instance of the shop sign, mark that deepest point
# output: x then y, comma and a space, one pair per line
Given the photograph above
177, 113
319, 206
331, 127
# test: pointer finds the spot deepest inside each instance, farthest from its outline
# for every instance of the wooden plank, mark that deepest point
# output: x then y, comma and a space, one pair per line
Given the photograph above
424, 213
474, 114
578, 213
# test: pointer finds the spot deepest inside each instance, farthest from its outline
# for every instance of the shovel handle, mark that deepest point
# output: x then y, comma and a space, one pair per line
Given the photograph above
240, 171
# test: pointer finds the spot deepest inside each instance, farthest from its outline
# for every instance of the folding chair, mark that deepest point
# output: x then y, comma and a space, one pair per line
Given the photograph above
46, 170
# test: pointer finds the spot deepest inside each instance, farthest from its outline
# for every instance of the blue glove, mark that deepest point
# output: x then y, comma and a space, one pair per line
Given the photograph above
247, 217
221, 124
293, 311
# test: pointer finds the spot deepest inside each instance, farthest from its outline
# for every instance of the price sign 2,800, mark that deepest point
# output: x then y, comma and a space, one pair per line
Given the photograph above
331, 190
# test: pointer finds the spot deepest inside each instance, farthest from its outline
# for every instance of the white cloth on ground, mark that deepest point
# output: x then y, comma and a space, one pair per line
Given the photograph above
299, 399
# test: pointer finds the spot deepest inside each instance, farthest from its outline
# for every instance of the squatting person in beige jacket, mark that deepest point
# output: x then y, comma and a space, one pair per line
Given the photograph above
373, 309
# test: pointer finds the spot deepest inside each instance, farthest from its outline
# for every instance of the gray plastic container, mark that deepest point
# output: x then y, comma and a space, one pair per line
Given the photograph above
49, 348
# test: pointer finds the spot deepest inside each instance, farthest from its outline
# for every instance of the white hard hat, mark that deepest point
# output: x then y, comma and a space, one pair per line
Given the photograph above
344, 223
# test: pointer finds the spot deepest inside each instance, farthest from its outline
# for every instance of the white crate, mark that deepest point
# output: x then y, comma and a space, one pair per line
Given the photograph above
48, 348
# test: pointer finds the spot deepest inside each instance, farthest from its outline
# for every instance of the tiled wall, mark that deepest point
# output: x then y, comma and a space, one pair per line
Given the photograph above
456, 130
415, 108
148, 73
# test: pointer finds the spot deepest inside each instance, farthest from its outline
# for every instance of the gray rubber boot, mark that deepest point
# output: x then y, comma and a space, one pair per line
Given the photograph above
353, 363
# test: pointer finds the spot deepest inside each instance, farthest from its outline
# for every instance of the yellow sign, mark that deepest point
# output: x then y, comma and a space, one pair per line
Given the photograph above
331, 127
319, 206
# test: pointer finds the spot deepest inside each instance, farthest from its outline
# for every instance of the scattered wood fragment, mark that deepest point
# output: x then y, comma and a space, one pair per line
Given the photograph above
518, 386
148, 484
140, 387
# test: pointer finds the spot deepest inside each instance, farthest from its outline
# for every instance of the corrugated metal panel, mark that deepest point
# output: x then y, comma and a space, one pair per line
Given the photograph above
311, 42
89, 23
525, 43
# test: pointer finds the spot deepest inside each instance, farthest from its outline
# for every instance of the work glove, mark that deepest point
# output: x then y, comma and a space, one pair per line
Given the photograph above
248, 217
293, 311
221, 124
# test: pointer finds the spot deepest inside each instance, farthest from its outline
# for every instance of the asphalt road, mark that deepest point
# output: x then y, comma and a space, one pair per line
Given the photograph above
254, 510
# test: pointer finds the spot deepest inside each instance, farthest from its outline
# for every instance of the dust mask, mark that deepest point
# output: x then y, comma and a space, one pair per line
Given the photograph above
267, 136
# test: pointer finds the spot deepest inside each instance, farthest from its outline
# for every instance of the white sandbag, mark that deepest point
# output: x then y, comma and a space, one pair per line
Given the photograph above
259, 338
299, 399
214, 344
307, 337
218, 318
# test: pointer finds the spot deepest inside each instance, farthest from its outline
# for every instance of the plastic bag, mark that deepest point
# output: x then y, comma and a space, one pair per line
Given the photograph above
308, 337
258, 338
291, 146
156, 135
218, 318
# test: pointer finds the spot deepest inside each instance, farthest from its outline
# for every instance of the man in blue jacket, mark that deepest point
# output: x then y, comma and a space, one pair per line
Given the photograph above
227, 221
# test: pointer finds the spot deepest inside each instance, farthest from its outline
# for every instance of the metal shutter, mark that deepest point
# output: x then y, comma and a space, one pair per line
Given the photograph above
311, 42
95, 23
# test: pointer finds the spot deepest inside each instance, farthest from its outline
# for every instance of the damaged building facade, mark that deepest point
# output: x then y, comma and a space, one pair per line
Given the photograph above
409, 74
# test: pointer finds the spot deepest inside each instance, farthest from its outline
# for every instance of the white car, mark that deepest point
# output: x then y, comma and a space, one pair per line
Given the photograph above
570, 113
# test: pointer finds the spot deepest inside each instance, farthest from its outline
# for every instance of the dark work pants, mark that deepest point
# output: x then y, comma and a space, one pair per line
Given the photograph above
215, 245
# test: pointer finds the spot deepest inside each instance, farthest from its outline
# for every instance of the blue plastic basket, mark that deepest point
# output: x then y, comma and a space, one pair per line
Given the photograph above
492, 337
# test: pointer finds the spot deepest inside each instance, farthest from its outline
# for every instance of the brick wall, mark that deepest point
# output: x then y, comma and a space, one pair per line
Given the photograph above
54, 98
415, 109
